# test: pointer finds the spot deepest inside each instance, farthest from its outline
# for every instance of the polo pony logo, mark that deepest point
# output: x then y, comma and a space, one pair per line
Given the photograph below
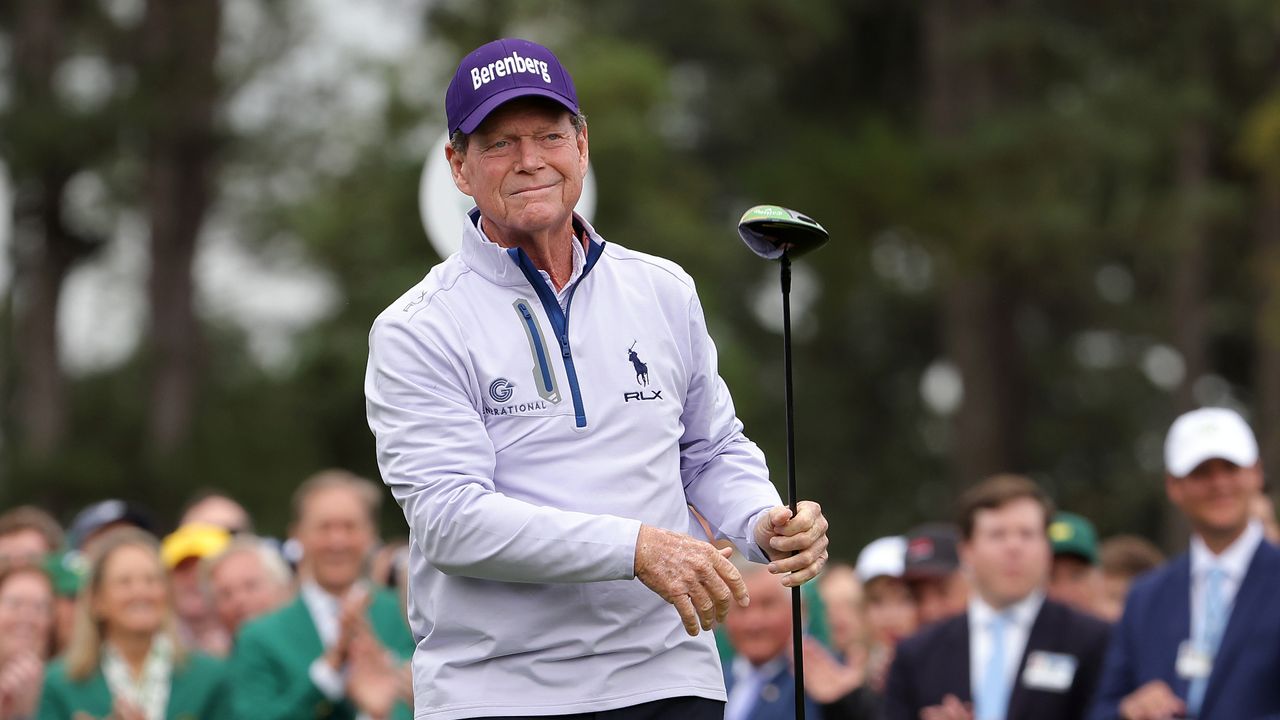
642, 370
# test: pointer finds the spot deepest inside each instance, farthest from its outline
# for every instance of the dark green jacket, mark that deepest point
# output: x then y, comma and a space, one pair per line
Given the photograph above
197, 691
271, 663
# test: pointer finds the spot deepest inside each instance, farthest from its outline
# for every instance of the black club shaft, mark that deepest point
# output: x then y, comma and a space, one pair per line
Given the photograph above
797, 639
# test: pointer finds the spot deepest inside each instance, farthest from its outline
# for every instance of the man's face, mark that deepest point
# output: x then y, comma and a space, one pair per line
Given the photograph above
243, 589
23, 547
891, 612
1216, 495
1008, 555
1075, 582
1110, 605
26, 615
761, 631
524, 168
939, 597
336, 534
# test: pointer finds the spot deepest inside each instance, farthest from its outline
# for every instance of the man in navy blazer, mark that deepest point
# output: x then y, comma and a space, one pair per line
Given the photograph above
760, 682
1200, 636
1013, 655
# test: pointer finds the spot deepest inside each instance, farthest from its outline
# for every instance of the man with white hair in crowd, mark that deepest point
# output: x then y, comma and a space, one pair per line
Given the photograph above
247, 579
761, 683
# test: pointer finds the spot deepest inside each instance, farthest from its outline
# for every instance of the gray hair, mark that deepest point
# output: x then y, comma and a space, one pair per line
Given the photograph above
277, 569
459, 139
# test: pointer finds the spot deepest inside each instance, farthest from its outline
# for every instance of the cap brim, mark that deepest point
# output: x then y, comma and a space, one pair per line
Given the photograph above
928, 570
477, 116
1182, 466
1076, 551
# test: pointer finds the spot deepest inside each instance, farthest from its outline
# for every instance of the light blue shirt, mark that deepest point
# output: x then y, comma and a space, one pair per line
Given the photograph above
1233, 561
1020, 617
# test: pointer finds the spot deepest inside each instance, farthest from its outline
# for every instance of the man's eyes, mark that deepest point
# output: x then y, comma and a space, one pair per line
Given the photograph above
549, 138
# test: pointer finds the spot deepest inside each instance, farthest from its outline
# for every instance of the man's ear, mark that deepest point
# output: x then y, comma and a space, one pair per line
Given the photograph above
1256, 477
456, 161
583, 151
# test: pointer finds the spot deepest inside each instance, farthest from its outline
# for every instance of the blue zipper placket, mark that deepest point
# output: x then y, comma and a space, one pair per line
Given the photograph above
560, 318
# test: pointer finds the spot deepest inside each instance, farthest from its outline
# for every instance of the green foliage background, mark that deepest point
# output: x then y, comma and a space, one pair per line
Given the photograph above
700, 108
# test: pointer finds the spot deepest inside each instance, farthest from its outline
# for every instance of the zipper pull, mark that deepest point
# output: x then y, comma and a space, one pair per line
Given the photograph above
564, 345
524, 311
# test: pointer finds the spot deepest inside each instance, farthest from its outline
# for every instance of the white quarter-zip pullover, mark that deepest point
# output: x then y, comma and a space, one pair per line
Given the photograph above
526, 444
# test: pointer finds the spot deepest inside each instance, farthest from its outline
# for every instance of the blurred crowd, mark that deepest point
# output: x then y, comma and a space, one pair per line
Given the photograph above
1011, 609
107, 618
1016, 609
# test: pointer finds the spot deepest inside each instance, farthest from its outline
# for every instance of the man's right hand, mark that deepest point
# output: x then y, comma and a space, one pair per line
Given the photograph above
1153, 701
690, 574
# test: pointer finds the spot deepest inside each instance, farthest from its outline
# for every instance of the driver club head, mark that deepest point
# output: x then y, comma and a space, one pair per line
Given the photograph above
772, 231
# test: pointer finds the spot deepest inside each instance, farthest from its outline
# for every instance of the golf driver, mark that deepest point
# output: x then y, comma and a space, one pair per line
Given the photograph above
776, 233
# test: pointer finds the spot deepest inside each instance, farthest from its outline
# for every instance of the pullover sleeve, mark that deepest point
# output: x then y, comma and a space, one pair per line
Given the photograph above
724, 474
438, 460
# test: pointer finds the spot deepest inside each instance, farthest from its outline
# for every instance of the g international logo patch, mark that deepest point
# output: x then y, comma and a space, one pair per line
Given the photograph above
501, 390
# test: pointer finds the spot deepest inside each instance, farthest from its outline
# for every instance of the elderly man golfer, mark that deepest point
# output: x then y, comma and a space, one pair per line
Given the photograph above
547, 407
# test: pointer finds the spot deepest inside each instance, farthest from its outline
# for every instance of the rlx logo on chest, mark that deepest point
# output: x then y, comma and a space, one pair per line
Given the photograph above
642, 378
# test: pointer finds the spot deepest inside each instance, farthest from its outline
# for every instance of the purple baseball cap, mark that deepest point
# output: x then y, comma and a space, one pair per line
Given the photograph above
500, 71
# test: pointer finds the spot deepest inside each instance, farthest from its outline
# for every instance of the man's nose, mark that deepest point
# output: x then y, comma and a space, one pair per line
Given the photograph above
530, 154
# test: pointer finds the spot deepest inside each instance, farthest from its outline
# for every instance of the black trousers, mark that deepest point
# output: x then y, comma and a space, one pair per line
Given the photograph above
683, 708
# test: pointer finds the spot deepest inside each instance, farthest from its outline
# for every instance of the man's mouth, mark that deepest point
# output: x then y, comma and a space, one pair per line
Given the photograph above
534, 188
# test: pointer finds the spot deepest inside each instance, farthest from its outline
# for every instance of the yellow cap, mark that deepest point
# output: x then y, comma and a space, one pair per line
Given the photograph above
195, 540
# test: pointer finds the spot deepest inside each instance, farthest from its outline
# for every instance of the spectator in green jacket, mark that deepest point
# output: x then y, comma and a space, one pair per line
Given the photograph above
340, 650
124, 660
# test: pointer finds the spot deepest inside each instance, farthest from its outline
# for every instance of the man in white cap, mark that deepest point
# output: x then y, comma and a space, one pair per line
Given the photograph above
1200, 636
